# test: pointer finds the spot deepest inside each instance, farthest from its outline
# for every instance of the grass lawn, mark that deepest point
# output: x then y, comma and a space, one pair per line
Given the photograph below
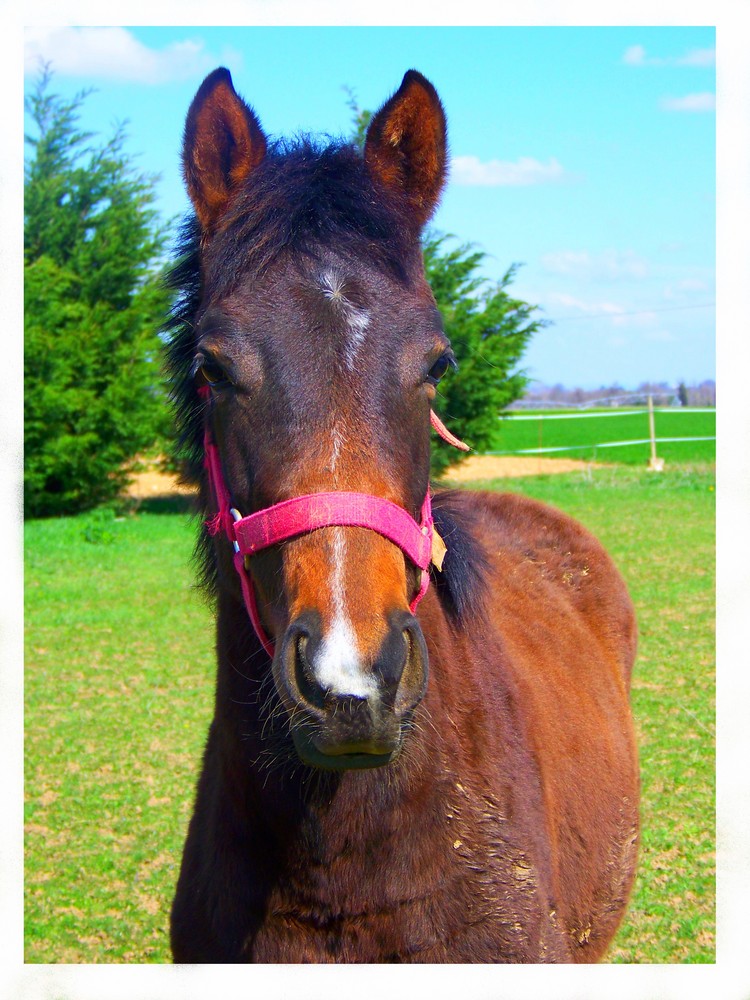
119, 685
119, 678
593, 434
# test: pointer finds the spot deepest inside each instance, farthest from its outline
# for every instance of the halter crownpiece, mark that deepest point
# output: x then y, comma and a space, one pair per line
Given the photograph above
300, 515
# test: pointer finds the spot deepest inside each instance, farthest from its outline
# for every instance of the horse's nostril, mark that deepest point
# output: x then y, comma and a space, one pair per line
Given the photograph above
407, 642
304, 675
301, 652
412, 680
394, 657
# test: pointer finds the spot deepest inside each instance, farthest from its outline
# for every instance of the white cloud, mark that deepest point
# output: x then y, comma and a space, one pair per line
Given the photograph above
690, 102
471, 171
618, 342
609, 265
698, 57
660, 336
609, 309
115, 53
673, 246
686, 288
639, 317
636, 55
620, 316
692, 285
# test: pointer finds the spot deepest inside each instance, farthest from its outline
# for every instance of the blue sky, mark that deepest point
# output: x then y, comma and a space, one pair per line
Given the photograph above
587, 155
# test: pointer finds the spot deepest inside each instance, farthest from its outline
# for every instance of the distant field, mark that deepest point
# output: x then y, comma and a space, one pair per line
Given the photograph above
595, 434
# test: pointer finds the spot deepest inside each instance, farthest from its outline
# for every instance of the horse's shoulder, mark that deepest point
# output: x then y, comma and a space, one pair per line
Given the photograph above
549, 557
517, 523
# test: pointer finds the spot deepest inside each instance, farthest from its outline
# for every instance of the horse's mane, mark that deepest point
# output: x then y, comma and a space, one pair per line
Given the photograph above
462, 584
304, 198
183, 279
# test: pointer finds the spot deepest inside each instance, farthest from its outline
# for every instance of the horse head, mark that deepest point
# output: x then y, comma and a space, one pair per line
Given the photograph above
318, 348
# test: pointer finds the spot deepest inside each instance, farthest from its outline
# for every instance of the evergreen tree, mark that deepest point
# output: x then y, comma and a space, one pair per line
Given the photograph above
488, 331
360, 118
93, 306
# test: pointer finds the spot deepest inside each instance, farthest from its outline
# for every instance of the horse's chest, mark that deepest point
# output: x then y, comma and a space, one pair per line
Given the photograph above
321, 935
467, 916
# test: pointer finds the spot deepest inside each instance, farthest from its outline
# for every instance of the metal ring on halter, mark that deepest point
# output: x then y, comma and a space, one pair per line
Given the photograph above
237, 517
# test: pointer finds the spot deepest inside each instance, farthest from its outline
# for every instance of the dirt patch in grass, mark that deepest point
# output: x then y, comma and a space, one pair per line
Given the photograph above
512, 466
154, 481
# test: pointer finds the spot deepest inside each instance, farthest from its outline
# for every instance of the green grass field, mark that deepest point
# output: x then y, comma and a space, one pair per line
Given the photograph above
592, 434
119, 686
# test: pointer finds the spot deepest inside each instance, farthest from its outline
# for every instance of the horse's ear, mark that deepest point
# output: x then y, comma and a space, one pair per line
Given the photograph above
223, 143
406, 147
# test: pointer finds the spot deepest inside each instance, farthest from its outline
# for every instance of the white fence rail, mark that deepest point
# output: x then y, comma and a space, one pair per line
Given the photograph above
600, 444
653, 441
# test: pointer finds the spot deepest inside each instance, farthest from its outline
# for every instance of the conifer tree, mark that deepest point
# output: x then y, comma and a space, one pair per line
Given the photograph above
489, 331
94, 303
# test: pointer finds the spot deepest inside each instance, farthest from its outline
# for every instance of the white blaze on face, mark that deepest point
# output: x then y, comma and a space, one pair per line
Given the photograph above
357, 320
337, 440
338, 664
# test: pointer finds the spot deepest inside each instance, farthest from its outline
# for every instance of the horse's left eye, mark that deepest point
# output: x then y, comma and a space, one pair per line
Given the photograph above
441, 366
212, 372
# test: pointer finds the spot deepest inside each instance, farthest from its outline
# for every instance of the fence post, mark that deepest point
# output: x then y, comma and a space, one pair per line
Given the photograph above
655, 464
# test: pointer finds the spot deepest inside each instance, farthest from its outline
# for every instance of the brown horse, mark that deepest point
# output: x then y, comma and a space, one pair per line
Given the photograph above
352, 808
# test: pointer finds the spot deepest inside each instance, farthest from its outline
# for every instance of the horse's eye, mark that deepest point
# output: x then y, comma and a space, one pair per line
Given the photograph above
441, 366
211, 372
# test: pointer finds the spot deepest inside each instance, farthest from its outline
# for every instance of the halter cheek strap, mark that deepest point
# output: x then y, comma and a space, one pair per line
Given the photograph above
303, 514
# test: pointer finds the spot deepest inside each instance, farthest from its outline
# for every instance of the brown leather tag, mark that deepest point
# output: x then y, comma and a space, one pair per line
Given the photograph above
438, 550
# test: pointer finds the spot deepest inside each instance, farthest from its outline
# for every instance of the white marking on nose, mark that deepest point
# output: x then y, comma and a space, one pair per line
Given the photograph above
338, 665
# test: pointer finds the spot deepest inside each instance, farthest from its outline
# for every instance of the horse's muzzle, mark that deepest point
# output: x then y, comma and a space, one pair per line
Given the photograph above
338, 730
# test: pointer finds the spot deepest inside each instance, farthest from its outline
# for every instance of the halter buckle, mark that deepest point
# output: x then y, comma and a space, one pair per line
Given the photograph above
237, 517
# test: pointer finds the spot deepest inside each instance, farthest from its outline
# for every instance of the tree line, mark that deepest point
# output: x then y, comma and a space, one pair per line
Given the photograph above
697, 394
95, 254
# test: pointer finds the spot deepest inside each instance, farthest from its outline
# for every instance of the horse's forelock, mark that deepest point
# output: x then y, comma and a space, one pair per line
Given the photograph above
307, 199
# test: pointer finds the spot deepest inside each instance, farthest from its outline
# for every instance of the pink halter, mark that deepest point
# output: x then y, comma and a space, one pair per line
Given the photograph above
306, 513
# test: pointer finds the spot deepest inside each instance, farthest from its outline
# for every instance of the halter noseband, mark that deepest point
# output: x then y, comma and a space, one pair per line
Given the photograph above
303, 514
